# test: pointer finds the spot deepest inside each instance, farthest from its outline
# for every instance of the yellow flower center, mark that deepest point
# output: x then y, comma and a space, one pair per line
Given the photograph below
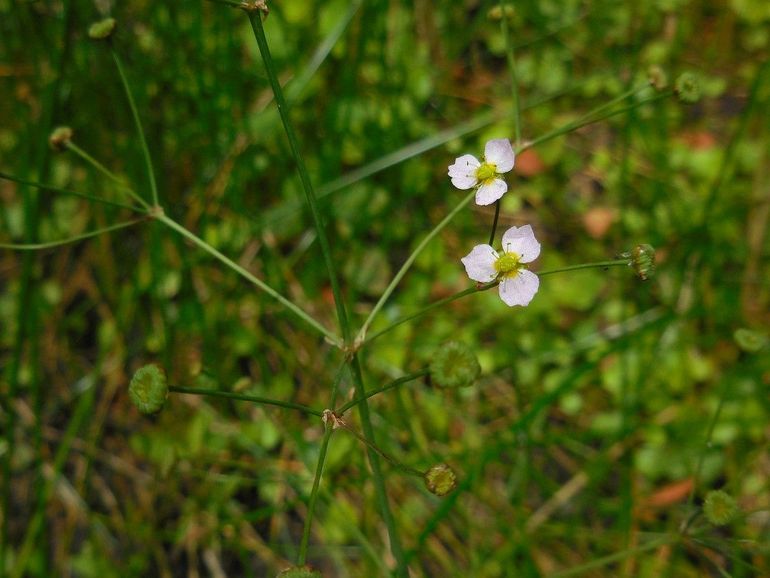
486, 172
508, 265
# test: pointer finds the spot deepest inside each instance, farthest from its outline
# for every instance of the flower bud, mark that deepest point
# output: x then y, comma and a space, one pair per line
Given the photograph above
102, 30
657, 77
687, 88
642, 259
749, 340
300, 572
496, 12
454, 365
256, 6
440, 480
148, 389
720, 508
59, 138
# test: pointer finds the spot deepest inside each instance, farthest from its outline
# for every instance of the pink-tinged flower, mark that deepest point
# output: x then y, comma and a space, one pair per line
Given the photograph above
518, 285
468, 172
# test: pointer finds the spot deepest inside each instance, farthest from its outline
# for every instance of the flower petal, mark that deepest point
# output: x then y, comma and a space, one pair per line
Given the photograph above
489, 192
522, 242
463, 172
519, 290
480, 263
500, 152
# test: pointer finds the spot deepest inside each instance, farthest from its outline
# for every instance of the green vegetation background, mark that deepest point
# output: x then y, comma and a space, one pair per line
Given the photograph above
606, 409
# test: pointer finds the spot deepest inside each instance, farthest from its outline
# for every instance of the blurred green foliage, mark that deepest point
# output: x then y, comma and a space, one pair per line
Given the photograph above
600, 406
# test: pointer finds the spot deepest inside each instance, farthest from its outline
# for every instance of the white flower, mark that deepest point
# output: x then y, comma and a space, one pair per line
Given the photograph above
518, 285
468, 172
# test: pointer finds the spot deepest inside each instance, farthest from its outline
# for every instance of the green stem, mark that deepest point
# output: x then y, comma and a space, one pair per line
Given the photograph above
106, 172
139, 130
511, 58
382, 499
395, 463
46, 187
255, 18
302, 556
334, 339
702, 456
336, 383
494, 222
612, 558
396, 548
601, 112
597, 265
386, 387
427, 308
75, 239
407, 264
244, 397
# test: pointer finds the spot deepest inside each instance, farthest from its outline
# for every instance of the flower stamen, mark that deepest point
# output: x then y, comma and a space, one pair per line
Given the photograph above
486, 172
508, 265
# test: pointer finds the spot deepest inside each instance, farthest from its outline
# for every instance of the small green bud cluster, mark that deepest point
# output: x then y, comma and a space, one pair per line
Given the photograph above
642, 259
657, 77
59, 138
496, 12
687, 88
148, 389
720, 508
454, 365
300, 572
102, 30
440, 480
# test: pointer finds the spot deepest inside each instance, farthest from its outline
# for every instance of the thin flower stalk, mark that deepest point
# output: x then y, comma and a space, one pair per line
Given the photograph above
391, 385
245, 397
334, 339
407, 264
70, 240
140, 131
259, 33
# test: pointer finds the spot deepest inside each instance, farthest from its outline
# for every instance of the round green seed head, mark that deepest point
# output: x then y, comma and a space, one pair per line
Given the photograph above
148, 389
300, 572
454, 365
440, 480
720, 508
749, 340
102, 29
687, 88
59, 138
